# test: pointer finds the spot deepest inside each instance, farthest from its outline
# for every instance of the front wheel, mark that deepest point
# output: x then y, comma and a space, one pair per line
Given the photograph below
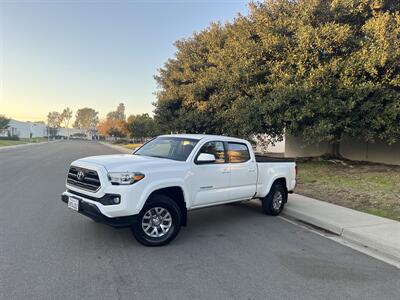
273, 203
158, 223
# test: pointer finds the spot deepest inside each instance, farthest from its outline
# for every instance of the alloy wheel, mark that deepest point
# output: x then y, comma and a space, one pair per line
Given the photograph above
156, 222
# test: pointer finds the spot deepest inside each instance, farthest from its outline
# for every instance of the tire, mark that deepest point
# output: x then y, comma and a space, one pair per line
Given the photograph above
158, 222
273, 203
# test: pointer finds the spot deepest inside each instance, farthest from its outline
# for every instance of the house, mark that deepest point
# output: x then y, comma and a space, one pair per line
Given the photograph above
65, 132
24, 130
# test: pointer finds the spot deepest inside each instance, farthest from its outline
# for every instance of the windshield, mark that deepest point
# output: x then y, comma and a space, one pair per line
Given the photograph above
168, 147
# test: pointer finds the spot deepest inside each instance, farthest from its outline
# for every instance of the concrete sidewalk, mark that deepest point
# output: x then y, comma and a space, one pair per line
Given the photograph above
379, 234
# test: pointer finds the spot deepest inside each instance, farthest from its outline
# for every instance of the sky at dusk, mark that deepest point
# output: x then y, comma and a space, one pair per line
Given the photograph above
55, 54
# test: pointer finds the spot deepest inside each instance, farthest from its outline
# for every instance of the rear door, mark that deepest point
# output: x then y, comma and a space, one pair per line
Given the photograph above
211, 181
243, 171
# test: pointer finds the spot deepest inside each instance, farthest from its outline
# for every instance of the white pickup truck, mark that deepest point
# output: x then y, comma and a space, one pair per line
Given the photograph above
152, 189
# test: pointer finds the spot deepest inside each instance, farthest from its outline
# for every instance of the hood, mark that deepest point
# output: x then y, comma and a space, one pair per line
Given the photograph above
127, 162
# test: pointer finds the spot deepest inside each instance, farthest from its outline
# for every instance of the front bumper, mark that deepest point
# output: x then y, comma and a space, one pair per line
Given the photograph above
91, 210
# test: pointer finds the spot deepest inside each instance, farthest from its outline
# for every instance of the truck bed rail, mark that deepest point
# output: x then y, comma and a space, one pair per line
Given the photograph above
269, 159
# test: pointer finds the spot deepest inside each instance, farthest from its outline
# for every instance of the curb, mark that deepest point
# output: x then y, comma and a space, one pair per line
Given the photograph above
315, 221
367, 231
116, 147
357, 237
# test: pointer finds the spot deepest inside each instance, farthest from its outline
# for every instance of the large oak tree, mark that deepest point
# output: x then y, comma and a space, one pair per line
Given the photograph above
322, 69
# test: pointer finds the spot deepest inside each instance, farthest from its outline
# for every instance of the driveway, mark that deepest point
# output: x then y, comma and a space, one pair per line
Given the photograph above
229, 252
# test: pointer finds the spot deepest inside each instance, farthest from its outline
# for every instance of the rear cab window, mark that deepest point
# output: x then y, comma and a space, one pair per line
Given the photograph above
238, 152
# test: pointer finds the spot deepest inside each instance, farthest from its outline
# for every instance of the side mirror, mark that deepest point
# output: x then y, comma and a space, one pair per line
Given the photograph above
205, 158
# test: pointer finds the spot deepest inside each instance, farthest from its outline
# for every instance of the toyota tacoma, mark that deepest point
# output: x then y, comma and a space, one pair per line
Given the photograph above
152, 189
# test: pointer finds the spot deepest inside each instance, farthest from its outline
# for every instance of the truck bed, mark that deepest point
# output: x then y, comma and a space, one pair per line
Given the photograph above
270, 159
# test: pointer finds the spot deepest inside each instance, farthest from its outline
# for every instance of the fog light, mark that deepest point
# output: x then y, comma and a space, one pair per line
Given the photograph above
110, 199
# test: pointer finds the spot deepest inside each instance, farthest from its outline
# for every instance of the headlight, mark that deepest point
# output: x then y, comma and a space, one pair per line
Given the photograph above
124, 177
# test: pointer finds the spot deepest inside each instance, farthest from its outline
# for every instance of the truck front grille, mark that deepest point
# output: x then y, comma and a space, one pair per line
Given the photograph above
89, 181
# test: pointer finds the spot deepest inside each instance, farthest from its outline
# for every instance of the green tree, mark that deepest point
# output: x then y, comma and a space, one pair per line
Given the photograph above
186, 86
325, 82
86, 119
141, 126
54, 120
66, 116
322, 69
119, 114
4, 121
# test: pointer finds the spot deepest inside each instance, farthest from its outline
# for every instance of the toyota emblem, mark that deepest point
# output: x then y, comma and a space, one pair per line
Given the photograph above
80, 175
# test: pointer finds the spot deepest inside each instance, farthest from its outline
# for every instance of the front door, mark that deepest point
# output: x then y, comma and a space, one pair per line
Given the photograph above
211, 181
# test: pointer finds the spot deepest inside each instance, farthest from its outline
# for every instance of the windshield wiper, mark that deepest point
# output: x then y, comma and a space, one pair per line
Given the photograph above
159, 156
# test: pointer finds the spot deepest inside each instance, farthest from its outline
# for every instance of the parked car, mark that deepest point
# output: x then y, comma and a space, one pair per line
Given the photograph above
152, 189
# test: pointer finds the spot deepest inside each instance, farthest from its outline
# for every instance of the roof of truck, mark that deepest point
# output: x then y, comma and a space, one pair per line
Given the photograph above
201, 136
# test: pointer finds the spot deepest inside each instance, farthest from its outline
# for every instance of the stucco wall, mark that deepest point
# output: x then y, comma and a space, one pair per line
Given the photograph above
263, 146
349, 148
279, 147
374, 152
296, 147
38, 129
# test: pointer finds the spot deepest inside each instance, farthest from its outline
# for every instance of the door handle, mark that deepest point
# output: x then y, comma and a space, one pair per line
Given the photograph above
226, 171
252, 170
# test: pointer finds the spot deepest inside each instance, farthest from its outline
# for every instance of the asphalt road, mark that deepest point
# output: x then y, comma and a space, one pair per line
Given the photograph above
229, 252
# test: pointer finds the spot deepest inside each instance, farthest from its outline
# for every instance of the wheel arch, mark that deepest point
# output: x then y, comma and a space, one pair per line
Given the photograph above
282, 182
176, 193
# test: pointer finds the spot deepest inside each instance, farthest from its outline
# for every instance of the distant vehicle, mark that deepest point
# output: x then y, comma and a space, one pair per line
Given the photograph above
152, 189
78, 136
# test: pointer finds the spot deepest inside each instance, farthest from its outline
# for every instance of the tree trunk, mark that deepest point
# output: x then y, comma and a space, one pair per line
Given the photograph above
335, 150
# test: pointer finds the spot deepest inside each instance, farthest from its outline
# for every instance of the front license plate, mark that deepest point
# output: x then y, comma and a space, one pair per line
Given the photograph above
73, 203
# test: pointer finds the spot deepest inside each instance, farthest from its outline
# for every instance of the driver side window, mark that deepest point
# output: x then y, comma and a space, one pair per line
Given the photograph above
215, 148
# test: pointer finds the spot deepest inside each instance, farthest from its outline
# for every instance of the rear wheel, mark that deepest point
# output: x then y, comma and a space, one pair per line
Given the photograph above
273, 203
158, 223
